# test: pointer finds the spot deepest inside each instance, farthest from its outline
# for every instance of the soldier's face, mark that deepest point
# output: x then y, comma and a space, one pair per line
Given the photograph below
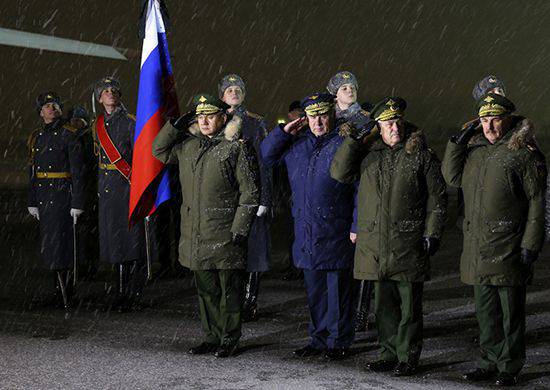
50, 112
320, 124
391, 131
494, 127
346, 94
110, 97
211, 124
233, 96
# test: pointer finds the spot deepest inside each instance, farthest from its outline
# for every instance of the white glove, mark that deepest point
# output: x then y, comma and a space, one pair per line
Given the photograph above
262, 210
34, 212
75, 213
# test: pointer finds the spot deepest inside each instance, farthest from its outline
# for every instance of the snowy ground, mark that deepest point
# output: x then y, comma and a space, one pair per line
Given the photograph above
94, 349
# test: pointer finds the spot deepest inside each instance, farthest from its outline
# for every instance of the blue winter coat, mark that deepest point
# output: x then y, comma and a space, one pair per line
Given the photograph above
322, 208
254, 128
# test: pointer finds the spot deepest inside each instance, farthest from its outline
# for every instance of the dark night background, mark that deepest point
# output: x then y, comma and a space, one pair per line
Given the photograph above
430, 52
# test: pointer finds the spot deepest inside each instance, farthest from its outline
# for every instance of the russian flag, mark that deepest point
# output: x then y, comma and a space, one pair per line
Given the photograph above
157, 101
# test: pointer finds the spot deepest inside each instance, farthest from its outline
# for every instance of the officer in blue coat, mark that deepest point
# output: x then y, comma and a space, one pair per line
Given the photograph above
323, 210
56, 191
254, 128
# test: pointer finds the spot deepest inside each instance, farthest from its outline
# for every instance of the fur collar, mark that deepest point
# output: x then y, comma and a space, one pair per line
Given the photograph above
521, 134
231, 131
415, 140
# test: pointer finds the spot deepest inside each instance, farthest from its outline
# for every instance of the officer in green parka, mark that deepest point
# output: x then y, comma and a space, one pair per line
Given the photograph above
220, 196
402, 203
502, 174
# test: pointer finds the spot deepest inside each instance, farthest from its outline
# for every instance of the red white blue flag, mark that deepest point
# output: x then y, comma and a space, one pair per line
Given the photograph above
157, 101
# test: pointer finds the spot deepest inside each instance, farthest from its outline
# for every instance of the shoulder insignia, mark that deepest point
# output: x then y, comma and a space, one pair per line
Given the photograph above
30, 144
532, 148
345, 129
131, 116
540, 166
70, 128
253, 115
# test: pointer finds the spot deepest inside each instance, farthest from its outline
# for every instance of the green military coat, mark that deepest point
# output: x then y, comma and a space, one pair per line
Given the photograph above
402, 198
503, 186
220, 189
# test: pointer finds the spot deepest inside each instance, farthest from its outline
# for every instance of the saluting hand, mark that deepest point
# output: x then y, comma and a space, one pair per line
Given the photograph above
295, 126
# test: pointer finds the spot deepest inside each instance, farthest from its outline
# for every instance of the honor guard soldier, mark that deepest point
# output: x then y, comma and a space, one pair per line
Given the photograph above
402, 202
232, 91
120, 245
220, 197
502, 174
323, 216
344, 86
56, 196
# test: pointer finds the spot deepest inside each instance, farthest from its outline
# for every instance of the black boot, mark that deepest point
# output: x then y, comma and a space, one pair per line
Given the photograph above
137, 279
363, 306
116, 291
62, 287
250, 307
124, 287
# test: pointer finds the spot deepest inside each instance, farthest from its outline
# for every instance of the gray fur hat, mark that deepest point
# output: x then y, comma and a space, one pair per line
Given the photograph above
229, 81
48, 97
340, 79
485, 85
104, 83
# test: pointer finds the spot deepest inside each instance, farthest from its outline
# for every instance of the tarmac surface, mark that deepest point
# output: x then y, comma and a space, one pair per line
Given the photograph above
95, 348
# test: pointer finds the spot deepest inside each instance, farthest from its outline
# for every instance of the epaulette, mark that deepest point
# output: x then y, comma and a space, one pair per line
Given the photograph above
365, 112
30, 144
253, 115
131, 116
345, 129
534, 148
70, 128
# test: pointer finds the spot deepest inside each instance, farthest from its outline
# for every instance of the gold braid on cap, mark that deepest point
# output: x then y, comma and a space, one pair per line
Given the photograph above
390, 113
492, 109
318, 108
206, 109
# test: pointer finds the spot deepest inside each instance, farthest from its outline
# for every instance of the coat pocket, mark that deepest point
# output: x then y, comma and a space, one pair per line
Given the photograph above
499, 239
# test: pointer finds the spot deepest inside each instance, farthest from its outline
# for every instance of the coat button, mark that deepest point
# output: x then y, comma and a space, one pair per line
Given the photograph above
51, 184
40, 185
39, 133
50, 149
55, 133
39, 202
49, 167
51, 201
38, 167
106, 190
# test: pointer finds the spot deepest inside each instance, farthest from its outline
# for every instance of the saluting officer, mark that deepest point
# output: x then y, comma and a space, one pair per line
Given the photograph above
56, 196
119, 245
400, 218
220, 197
502, 174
